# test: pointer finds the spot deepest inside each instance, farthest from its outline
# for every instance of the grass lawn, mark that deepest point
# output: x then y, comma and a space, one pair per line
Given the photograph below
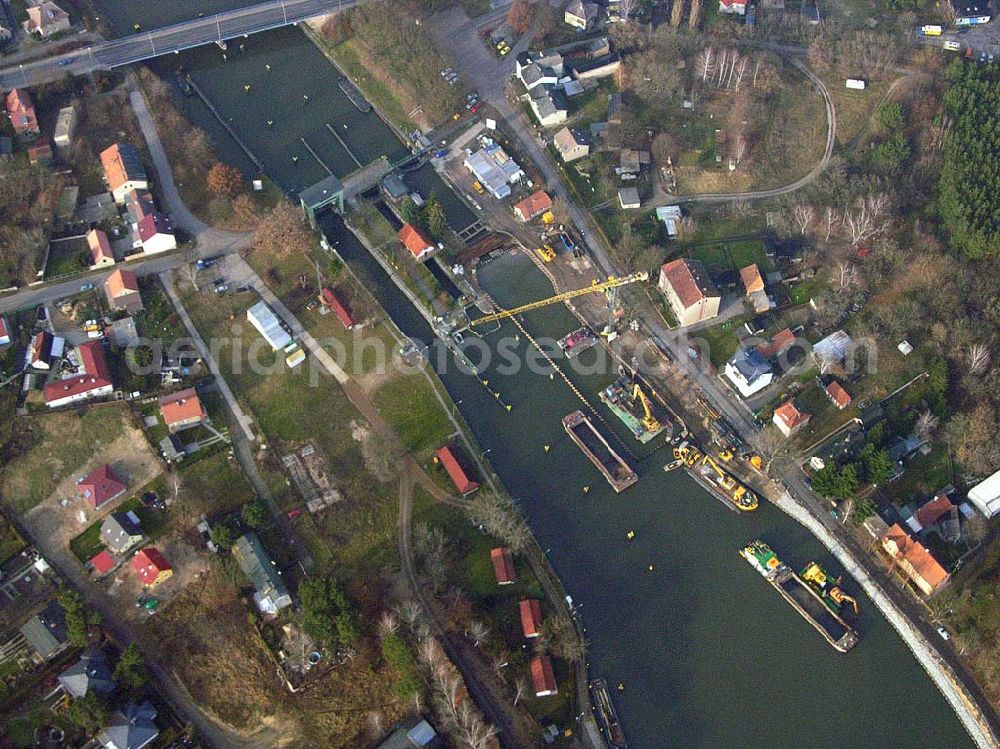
722, 340
731, 256
802, 292
53, 447
213, 486
67, 257
11, 542
349, 56
924, 475
414, 413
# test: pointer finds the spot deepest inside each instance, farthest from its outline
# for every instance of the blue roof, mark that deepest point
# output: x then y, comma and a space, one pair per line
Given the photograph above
750, 364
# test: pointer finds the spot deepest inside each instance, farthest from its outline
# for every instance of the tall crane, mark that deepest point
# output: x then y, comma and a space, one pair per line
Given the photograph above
611, 283
650, 422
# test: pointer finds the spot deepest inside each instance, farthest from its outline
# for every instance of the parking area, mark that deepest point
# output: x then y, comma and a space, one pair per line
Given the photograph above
980, 43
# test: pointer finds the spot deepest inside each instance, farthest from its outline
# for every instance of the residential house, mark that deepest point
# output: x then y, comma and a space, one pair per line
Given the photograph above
40, 152
4, 332
910, 556
542, 677
571, 145
101, 486
940, 516
751, 278
332, 301
838, 396
131, 728
155, 233
779, 343
394, 188
985, 496
415, 733
21, 111
733, 7
414, 240
139, 204
122, 291
534, 205
689, 291
628, 197
45, 19
503, 566
40, 351
90, 672
100, 249
269, 591
447, 457
534, 75
494, 169
789, 419
670, 216
123, 170
94, 382
549, 106
581, 15
120, 531
631, 161
102, 562
151, 566
65, 124
182, 410
531, 617
46, 632
749, 372
539, 68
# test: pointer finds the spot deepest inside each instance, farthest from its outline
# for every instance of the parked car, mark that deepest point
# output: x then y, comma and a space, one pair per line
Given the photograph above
944, 633
221, 289
219, 281
242, 288
87, 287
476, 107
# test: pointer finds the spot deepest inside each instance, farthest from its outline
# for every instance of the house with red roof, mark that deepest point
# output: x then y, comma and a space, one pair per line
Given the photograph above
21, 111
779, 344
733, 7
789, 419
45, 18
101, 486
503, 566
332, 301
534, 205
4, 332
689, 291
40, 152
836, 393
531, 617
182, 410
542, 677
100, 249
123, 170
102, 563
913, 559
151, 566
940, 516
155, 233
122, 291
40, 351
95, 382
413, 240
447, 457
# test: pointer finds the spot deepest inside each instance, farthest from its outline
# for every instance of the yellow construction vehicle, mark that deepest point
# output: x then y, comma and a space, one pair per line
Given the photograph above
548, 218
725, 455
756, 462
546, 253
611, 283
649, 421
827, 588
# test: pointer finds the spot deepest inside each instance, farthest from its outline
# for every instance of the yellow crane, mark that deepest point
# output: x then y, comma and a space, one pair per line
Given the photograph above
611, 283
649, 421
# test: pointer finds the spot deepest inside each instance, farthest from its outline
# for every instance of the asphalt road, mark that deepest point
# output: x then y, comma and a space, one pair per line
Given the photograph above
146, 44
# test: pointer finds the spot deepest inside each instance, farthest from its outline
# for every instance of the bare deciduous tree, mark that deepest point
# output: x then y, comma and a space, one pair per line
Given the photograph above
625, 8
520, 689
867, 217
803, 215
741, 71
477, 632
977, 359
847, 274
830, 220
695, 17
382, 454
705, 63
740, 151
677, 13
771, 444
498, 516
559, 637
926, 425
410, 612
387, 623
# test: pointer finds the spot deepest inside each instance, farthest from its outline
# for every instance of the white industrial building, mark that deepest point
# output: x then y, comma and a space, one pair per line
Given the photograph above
985, 496
494, 169
262, 317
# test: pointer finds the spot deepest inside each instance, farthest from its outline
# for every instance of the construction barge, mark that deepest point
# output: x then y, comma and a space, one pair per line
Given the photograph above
822, 610
706, 471
607, 718
629, 403
594, 446
577, 341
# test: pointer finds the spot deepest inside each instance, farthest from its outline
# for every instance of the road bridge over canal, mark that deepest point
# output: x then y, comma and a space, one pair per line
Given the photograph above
144, 45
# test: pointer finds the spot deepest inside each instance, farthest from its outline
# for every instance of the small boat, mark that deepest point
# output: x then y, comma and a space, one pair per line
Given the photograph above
673, 465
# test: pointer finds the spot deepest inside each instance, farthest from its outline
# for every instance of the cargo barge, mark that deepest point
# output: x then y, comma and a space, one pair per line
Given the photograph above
595, 447
802, 596
627, 401
607, 718
577, 341
706, 471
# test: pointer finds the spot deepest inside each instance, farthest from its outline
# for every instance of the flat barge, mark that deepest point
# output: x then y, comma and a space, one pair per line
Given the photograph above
802, 596
594, 446
706, 471
622, 398
354, 94
607, 718
577, 341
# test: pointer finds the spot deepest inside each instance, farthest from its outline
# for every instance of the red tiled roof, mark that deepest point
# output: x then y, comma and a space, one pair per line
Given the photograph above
148, 563
102, 562
731, 3
180, 407
4, 331
790, 415
462, 482
41, 347
542, 677
21, 111
913, 552
777, 345
414, 241
934, 510
751, 278
332, 300
100, 247
531, 617
689, 281
97, 376
100, 486
152, 224
503, 565
840, 397
533, 205
121, 282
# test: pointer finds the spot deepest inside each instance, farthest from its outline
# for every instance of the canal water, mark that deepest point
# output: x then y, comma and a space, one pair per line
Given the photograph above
708, 654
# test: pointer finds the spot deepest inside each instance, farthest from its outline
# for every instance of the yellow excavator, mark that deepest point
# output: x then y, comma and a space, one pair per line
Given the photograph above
816, 575
650, 422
